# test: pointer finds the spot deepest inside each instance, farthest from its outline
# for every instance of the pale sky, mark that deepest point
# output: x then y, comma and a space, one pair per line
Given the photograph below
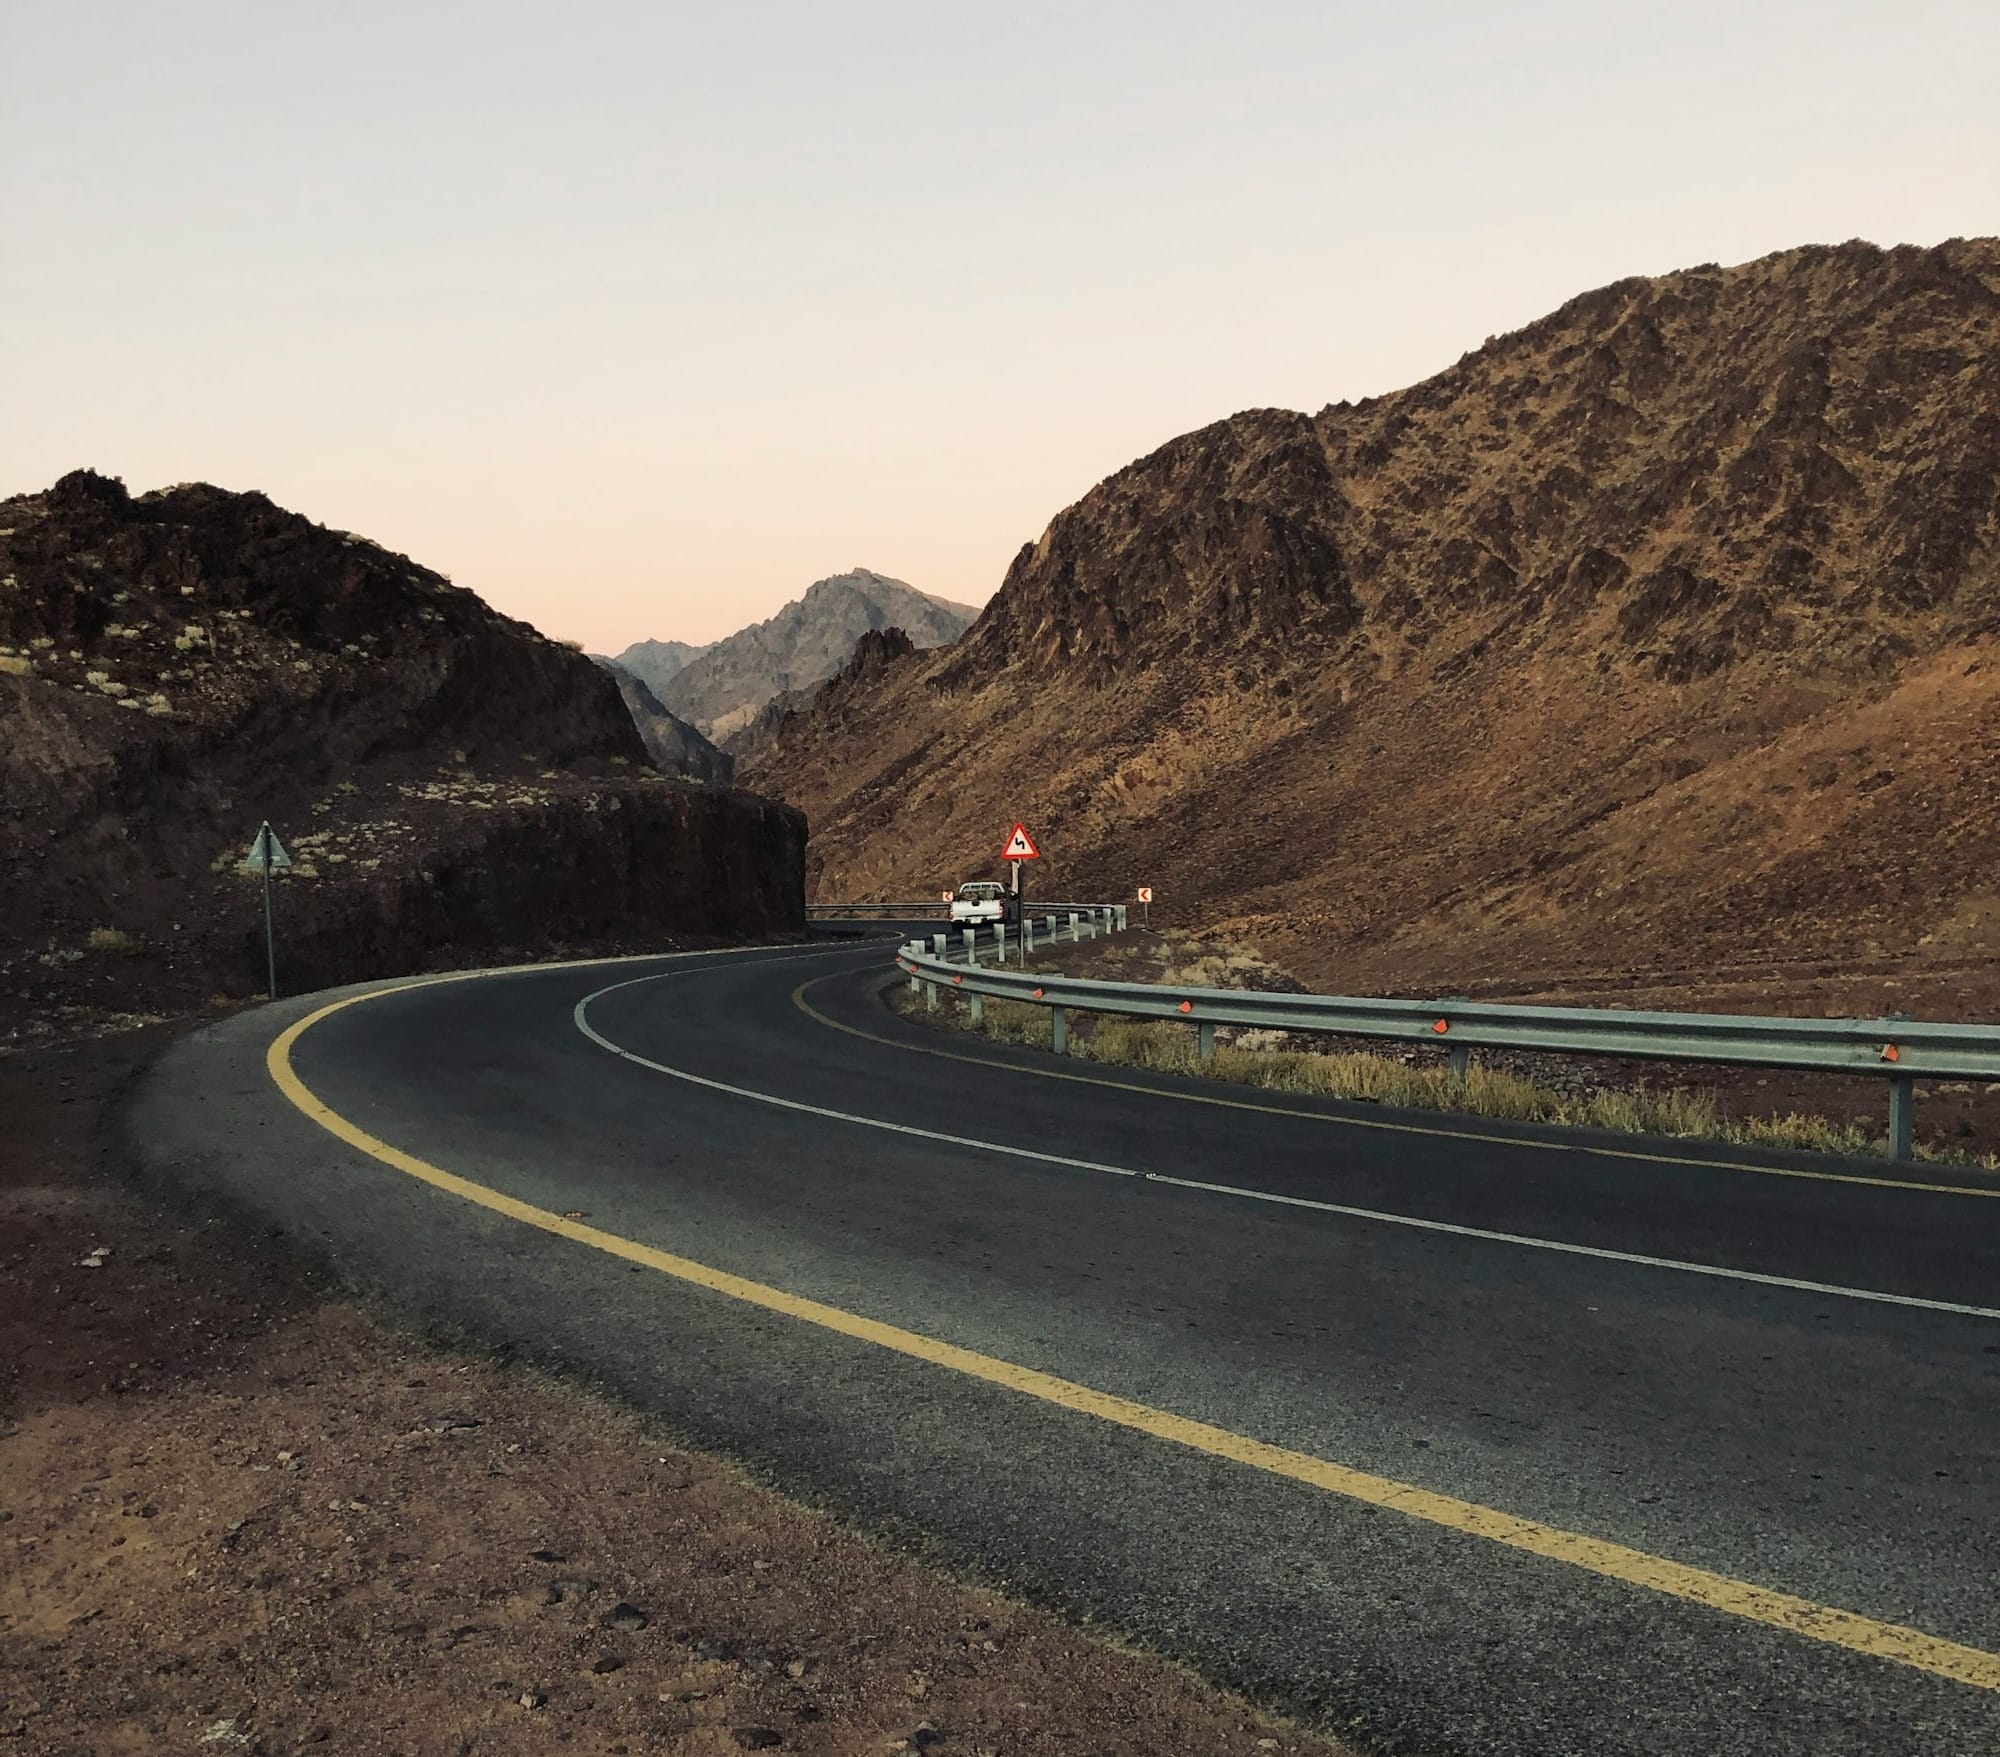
638, 318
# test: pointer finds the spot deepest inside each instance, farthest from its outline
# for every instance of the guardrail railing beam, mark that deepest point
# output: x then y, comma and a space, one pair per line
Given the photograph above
1898, 1049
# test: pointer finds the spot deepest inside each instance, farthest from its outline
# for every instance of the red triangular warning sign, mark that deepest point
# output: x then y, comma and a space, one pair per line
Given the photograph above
1020, 845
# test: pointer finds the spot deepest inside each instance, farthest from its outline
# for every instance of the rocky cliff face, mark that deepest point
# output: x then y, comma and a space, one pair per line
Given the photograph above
177, 667
723, 689
1649, 643
672, 745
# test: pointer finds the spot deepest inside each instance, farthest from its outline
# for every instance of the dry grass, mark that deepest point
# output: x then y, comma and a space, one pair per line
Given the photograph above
1677, 1112
1189, 964
111, 939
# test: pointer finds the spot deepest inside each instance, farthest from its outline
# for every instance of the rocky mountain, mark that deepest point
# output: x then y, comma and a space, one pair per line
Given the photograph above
657, 663
178, 666
1649, 651
722, 689
673, 746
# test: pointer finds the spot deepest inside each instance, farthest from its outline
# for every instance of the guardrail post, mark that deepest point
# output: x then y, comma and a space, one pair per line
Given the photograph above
1902, 1114
1204, 1040
1461, 1061
978, 1007
1000, 940
1059, 1030
971, 944
930, 997
1074, 918
938, 944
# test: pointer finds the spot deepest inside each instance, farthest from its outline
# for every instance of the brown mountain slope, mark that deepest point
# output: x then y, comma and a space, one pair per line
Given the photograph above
1647, 650
176, 667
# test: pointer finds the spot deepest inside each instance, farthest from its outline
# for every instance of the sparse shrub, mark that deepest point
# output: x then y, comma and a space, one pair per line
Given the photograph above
14, 665
111, 940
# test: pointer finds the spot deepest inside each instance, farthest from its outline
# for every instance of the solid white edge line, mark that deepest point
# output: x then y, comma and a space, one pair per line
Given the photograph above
1528, 1241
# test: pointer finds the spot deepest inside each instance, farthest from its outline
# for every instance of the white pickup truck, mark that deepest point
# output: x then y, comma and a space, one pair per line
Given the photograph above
981, 902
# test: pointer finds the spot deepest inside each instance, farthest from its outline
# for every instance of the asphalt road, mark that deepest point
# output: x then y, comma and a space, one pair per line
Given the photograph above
1729, 1427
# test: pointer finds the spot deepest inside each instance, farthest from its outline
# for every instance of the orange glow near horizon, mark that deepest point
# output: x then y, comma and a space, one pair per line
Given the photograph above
639, 320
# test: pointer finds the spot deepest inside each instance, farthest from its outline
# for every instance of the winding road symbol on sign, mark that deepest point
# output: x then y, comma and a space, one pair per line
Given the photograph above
1020, 845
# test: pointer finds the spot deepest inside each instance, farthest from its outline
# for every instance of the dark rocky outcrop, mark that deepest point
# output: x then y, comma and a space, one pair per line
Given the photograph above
178, 666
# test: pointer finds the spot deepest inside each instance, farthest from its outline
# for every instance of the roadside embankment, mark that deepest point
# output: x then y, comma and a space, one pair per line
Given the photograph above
242, 1514
1745, 1106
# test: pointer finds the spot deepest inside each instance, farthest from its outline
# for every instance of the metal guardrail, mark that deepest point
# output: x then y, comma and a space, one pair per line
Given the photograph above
923, 911
1899, 1049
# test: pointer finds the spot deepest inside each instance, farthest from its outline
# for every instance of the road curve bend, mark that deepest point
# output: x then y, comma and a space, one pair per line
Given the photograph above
1448, 1438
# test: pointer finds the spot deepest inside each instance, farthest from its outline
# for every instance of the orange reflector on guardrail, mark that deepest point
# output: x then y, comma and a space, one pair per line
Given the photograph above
1040, 992
1441, 1026
1890, 1053
1187, 1006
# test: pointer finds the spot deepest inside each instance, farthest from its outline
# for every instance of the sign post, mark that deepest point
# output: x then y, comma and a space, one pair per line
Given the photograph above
1020, 847
267, 855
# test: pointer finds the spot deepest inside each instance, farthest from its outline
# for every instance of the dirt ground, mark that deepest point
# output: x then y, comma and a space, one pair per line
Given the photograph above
239, 1514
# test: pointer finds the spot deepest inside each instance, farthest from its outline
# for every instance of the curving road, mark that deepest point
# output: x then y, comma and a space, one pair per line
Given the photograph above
1452, 1439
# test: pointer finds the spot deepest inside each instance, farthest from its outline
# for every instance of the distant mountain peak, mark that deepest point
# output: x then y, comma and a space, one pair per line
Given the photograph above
655, 662
720, 689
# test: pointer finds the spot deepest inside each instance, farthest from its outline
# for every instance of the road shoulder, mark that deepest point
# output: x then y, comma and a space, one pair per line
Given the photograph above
240, 1505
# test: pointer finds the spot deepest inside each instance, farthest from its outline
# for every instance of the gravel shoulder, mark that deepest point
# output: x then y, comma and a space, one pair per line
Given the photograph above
242, 1513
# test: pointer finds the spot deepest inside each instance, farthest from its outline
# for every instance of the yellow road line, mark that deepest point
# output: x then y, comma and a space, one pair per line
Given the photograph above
1758, 1604
1434, 1130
